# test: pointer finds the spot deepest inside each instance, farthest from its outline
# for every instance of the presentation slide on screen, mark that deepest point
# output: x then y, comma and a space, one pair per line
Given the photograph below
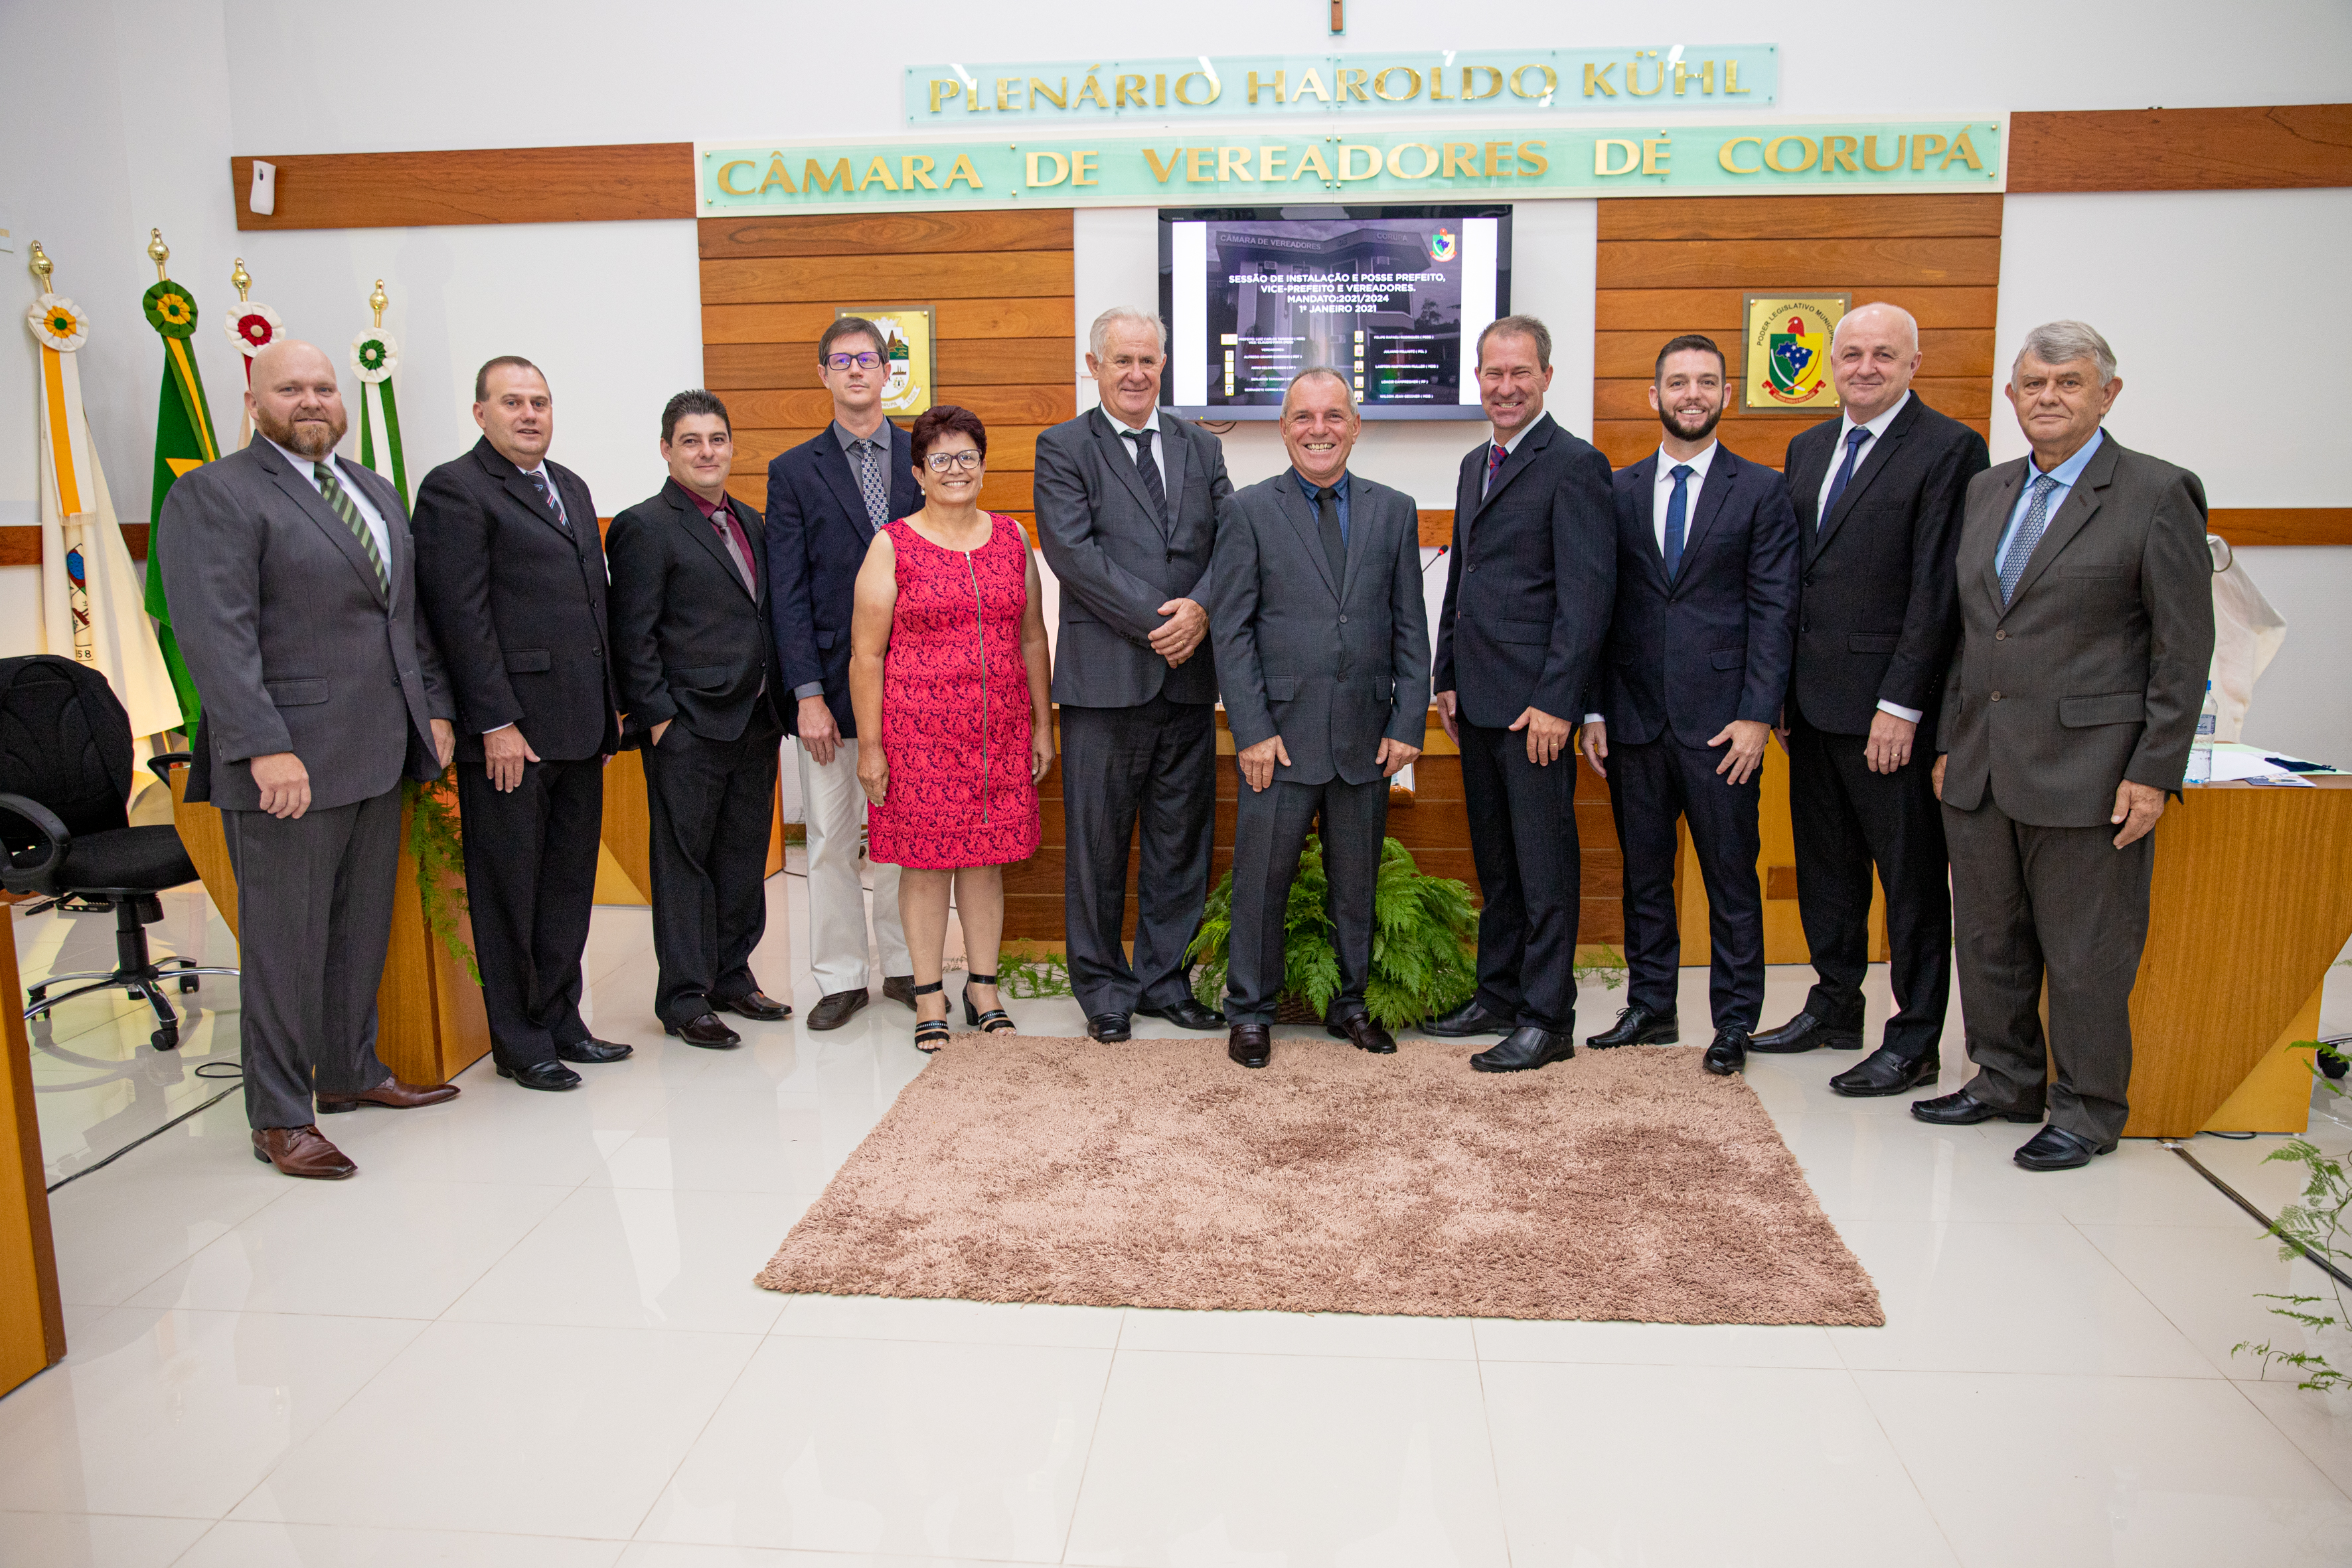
1396, 304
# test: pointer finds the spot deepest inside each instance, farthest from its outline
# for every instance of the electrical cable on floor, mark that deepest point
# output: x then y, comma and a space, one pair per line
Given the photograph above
2268, 1224
234, 1071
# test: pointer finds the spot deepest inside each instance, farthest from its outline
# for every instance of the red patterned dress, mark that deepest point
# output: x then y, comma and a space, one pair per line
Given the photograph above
955, 707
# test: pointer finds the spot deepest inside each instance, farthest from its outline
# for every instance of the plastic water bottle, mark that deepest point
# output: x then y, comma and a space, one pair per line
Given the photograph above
2200, 750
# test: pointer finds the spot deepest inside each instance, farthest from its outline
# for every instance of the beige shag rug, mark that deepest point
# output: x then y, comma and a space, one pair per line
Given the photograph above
1623, 1184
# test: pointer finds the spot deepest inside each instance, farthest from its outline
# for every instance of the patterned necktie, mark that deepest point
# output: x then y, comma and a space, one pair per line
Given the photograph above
870, 482
549, 499
1335, 538
1853, 440
1495, 456
1677, 512
332, 491
2029, 534
1148, 472
723, 519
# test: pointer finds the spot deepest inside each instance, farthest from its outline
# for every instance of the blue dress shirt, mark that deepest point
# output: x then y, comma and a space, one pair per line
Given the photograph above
2065, 473
1307, 488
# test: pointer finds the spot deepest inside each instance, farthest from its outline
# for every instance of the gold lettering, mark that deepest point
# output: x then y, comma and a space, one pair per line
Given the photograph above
1348, 171
916, 169
1633, 77
1462, 158
1963, 149
1654, 153
1130, 90
944, 87
1596, 79
1837, 152
963, 170
880, 169
1269, 161
1005, 86
1731, 77
1532, 152
1084, 170
1520, 76
1312, 159
1151, 154
1159, 91
1091, 88
814, 176
1869, 155
1311, 82
1216, 89
1924, 148
1772, 155
1470, 75
1498, 154
1199, 164
1352, 85
1429, 159
1411, 77
1603, 150
1061, 166
1723, 155
728, 186
1706, 74
1058, 97
1437, 84
777, 176
1233, 164
1256, 82
971, 104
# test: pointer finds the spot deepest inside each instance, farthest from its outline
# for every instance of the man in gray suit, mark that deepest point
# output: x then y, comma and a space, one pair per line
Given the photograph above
291, 579
2086, 611
1128, 499
1322, 643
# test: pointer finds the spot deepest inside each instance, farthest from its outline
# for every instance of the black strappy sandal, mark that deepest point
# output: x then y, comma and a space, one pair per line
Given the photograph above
930, 1034
996, 1020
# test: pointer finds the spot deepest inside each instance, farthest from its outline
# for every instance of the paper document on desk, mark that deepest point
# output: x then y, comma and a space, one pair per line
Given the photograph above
2236, 760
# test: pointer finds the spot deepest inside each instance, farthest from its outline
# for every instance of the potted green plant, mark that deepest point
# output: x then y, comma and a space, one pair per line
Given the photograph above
2315, 1228
1424, 932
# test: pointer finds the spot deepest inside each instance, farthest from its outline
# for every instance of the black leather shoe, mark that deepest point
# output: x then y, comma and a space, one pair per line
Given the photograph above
594, 1050
1637, 1026
1728, 1053
1252, 1045
1961, 1109
1472, 1017
1887, 1071
1524, 1048
899, 988
756, 1005
2055, 1149
1187, 1015
1804, 1033
541, 1074
704, 1029
1365, 1033
832, 1011
1111, 1028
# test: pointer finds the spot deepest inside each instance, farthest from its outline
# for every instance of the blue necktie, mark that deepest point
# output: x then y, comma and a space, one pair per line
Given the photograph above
2030, 530
1853, 440
1677, 506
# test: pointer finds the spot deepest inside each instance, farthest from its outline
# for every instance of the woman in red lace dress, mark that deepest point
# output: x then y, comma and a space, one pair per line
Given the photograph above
949, 667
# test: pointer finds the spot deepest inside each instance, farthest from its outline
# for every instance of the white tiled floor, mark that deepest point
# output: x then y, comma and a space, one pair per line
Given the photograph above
525, 1336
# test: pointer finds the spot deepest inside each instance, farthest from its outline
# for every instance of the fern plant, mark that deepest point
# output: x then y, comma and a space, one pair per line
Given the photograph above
1424, 932
2313, 1228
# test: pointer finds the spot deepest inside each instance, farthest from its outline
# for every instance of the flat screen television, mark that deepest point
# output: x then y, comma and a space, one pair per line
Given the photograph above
1393, 297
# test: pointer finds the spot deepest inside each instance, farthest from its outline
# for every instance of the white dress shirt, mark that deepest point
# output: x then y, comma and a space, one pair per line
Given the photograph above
1876, 427
351, 488
1158, 439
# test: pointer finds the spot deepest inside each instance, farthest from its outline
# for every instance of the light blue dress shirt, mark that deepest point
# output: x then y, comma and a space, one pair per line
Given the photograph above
2065, 473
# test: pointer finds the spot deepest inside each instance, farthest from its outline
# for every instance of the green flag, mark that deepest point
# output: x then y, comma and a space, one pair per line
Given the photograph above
184, 440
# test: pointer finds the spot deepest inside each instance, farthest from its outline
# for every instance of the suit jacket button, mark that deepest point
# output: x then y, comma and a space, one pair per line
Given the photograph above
2001, 636
1996, 697
1343, 620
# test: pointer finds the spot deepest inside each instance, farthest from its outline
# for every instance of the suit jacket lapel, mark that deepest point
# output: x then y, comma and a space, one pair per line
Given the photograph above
1805, 493
1308, 525
1361, 522
705, 533
307, 496
840, 471
387, 506
2082, 500
1982, 530
1645, 507
1882, 452
1175, 465
1521, 456
1721, 474
1120, 458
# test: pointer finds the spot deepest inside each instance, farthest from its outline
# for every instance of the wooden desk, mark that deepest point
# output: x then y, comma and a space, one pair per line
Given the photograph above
32, 1322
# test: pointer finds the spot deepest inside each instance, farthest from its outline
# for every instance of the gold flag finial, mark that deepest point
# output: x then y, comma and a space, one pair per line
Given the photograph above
158, 252
242, 279
42, 266
377, 301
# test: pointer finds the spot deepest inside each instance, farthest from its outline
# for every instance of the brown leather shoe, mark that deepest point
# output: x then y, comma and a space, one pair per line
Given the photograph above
1360, 1031
832, 1011
391, 1094
900, 988
301, 1151
1252, 1045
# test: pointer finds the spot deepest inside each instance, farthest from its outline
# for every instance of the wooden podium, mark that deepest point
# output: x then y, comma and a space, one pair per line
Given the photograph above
430, 1025
32, 1323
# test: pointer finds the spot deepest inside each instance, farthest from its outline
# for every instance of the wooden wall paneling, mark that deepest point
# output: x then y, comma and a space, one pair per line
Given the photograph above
2257, 147
862, 280
885, 233
1794, 262
20, 542
813, 409
31, 1320
1872, 217
2283, 525
799, 321
489, 185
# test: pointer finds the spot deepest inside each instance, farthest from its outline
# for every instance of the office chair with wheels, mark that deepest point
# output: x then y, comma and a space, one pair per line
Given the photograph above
65, 774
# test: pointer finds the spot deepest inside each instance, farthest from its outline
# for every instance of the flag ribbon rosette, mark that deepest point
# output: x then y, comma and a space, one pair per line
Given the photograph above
184, 440
89, 591
375, 354
252, 327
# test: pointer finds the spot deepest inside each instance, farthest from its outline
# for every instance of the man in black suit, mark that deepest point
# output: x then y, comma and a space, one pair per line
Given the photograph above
511, 576
1879, 492
1692, 679
1528, 591
826, 497
1322, 639
695, 658
1128, 501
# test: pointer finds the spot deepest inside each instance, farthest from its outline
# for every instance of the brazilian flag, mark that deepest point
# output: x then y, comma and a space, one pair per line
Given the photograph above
184, 440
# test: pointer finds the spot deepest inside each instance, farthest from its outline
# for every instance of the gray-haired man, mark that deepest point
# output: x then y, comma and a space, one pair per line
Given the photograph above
1127, 502
2086, 633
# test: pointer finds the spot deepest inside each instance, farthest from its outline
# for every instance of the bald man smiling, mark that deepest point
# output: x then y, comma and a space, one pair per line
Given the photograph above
291, 579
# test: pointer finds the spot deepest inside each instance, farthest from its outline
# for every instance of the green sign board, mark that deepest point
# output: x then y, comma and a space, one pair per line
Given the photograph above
1295, 87
1249, 165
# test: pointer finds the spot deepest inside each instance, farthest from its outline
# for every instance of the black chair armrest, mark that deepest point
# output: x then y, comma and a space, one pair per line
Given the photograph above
162, 763
50, 841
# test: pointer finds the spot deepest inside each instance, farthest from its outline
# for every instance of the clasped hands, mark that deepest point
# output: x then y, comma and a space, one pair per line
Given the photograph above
1179, 636
285, 783
1259, 762
1745, 755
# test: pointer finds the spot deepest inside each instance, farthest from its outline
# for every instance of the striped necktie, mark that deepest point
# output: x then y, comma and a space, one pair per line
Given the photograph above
2030, 530
1495, 456
340, 502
